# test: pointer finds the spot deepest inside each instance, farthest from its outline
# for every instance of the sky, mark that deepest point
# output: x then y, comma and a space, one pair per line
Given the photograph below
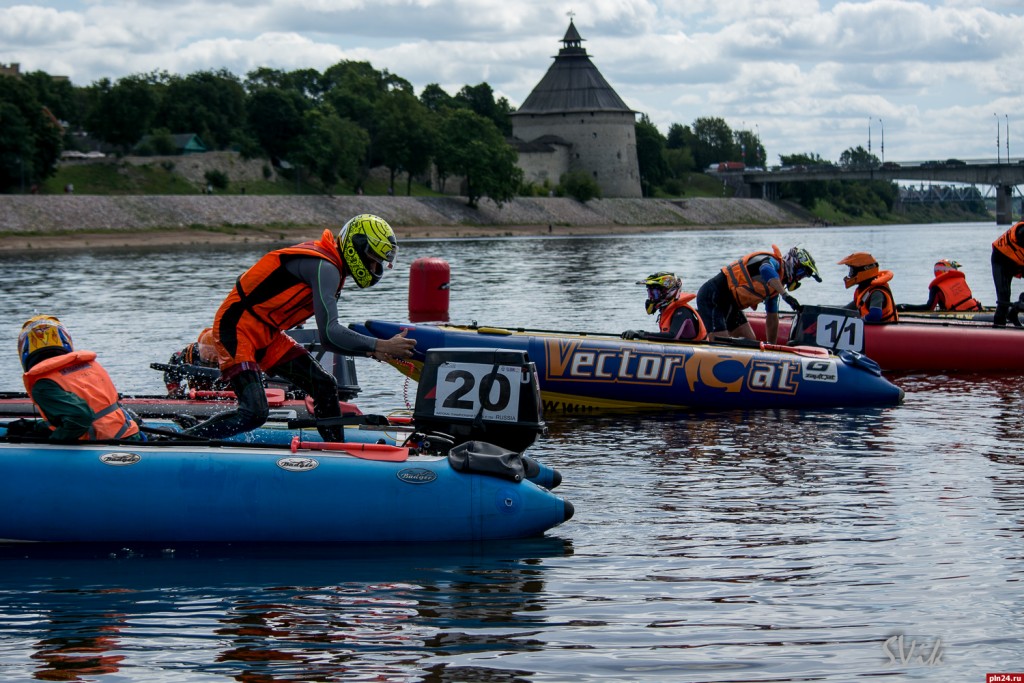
930, 80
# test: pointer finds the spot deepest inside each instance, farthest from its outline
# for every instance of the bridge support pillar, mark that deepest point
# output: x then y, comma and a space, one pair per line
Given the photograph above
1004, 204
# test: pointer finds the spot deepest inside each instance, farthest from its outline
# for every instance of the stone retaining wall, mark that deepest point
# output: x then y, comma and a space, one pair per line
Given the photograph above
49, 213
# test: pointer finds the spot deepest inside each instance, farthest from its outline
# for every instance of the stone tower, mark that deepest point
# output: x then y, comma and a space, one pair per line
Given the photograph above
573, 120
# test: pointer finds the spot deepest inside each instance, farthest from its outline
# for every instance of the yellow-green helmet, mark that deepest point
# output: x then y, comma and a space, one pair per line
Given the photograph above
368, 245
800, 265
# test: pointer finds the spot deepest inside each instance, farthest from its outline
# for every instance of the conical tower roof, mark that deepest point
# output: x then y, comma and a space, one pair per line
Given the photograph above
572, 83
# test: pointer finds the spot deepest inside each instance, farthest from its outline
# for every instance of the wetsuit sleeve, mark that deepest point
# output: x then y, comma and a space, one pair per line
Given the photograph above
769, 271
67, 412
324, 279
933, 301
875, 305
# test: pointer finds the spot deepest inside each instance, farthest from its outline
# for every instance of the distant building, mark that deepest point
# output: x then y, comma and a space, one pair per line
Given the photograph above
10, 70
182, 143
573, 120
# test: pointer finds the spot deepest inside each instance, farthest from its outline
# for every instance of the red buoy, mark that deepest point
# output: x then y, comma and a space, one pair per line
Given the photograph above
428, 289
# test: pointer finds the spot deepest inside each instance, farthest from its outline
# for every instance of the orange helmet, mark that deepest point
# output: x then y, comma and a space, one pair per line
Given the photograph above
863, 267
945, 265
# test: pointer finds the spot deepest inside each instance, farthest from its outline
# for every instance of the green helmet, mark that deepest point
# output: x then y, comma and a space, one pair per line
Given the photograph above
367, 244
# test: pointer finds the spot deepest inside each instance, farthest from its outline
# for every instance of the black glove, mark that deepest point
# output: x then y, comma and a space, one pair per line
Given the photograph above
1014, 315
792, 302
21, 428
633, 334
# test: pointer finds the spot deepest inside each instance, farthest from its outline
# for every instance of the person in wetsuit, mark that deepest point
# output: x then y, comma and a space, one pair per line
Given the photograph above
281, 291
761, 276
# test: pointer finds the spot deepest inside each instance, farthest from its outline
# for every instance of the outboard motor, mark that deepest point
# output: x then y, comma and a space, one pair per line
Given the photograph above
341, 366
472, 394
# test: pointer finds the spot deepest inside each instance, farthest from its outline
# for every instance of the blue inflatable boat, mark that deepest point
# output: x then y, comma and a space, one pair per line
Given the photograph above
586, 372
358, 493
458, 474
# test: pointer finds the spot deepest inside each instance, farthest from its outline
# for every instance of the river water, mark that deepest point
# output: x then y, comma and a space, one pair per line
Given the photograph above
732, 546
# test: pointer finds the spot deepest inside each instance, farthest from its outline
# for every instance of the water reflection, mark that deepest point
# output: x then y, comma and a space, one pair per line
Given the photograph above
284, 613
759, 546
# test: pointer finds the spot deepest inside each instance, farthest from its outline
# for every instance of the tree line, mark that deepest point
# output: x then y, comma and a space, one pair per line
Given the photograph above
336, 125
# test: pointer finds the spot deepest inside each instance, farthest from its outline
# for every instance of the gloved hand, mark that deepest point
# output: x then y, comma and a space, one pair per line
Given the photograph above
1014, 315
792, 302
21, 428
633, 334
902, 307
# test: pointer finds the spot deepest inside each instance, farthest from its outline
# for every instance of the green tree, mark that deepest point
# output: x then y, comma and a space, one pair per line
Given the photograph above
650, 144
276, 119
57, 95
679, 137
472, 146
121, 113
480, 99
751, 151
30, 138
407, 137
858, 158
208, 103
436, 99
332, 148
579, 185
354, 90
713, 142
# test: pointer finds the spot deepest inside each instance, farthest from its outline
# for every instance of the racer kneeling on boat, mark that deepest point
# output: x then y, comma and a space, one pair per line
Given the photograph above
281, 291
760, 276
677, 319
947, 292
73, 393
872, 298
182, 374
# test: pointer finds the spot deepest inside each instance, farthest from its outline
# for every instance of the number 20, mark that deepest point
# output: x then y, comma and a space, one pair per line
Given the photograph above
456, 400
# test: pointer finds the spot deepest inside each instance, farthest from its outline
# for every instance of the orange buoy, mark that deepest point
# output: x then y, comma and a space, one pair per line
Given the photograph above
428, 289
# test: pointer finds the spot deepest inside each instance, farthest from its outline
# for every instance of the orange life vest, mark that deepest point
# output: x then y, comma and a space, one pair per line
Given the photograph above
954, 294
749, 290
682, 300
77, 373
862, 296
1009, 246
267, 299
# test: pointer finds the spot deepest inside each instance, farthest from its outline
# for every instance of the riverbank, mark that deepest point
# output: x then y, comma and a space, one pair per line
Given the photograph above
33, 222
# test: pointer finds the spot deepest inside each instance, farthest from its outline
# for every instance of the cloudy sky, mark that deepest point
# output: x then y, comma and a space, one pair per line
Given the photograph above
931, 78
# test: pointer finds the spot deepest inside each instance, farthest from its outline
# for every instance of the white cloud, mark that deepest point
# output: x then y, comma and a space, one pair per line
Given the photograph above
808, 75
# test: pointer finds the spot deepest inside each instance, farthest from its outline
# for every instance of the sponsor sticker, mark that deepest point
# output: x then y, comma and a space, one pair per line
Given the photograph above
417, 475
298, 464
120, 459
820, 370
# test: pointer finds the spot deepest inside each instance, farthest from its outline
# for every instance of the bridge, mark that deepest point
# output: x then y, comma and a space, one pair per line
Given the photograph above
1002, 176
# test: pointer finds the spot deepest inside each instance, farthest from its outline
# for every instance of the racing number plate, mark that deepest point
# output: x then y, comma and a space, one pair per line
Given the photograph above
465, 390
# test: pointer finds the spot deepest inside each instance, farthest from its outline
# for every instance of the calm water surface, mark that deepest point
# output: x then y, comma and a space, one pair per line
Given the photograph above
732, 546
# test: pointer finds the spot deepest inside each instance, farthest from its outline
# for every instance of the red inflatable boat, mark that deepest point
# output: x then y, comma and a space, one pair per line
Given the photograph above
912, 344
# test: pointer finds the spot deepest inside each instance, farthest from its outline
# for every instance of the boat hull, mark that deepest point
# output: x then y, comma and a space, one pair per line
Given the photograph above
148, 493
941, 344
587, 373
